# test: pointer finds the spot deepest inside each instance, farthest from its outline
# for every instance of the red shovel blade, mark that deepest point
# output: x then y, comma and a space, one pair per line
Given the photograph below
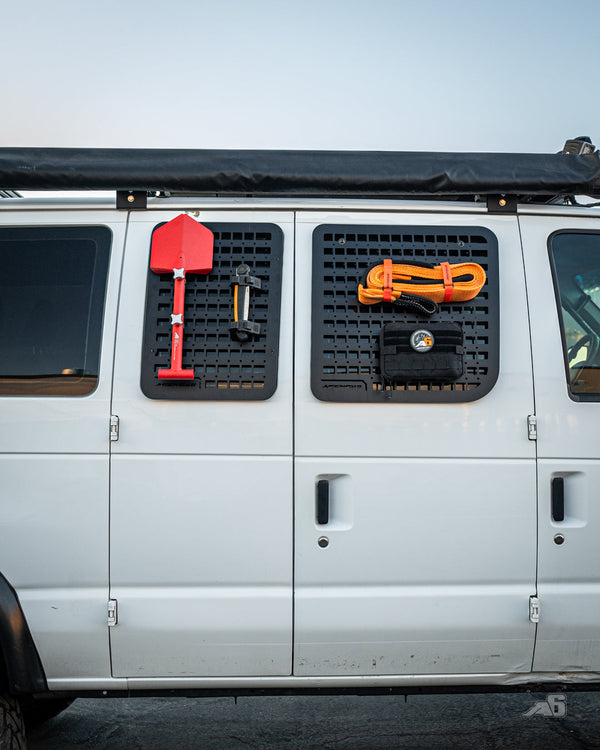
180, 246
182, 243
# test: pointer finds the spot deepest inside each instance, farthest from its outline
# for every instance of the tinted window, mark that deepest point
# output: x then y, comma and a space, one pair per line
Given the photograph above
52, 290
576, 267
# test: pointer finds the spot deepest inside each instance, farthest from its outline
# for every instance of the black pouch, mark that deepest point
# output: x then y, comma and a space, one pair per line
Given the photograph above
429, 353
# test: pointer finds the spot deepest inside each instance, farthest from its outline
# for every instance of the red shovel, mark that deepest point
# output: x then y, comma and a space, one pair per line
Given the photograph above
182, 246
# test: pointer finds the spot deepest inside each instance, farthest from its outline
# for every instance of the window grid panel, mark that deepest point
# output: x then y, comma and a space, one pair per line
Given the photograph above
345, 357
225, 369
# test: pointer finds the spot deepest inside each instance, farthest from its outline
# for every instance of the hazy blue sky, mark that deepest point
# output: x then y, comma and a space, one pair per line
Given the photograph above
372, 74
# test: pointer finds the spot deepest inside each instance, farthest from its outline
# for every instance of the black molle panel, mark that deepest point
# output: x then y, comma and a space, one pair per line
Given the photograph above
345, 352
225, 369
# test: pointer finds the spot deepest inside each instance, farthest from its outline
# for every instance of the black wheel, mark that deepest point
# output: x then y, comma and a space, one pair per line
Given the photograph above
38, 710
12, 726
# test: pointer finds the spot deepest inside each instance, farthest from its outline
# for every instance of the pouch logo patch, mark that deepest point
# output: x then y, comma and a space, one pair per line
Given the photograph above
421, 340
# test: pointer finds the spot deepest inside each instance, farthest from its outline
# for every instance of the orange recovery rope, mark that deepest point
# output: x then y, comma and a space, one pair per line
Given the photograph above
420, 286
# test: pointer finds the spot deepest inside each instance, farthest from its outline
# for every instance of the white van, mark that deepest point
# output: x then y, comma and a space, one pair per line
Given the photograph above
290, 517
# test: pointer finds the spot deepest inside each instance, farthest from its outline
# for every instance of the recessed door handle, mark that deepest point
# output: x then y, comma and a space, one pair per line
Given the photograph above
323, 501
558, 499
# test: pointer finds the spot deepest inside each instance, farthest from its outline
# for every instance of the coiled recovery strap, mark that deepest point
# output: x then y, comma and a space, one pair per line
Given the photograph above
420, 286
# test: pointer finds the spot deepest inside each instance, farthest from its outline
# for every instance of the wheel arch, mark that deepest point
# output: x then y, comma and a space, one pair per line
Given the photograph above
21, 670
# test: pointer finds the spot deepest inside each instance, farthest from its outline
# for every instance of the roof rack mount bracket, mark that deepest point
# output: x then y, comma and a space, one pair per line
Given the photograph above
132, 199
502, 204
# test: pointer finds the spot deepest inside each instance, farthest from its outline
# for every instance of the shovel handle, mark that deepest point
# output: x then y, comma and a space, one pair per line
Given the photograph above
175, 372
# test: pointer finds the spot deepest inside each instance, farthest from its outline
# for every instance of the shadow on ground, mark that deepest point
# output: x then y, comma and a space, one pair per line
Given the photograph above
336, 723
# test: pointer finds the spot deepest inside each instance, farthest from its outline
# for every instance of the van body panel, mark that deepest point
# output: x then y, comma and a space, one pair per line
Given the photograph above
201, 519
69, 629
201, 505
201, 565
431, 555
54, 474
494, 426
204, 427
568, 448
415, 577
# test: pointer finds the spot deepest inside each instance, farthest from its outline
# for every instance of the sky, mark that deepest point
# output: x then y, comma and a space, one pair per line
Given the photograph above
466, 75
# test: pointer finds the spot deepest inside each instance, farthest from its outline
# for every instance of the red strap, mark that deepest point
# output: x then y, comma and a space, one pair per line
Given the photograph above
387, 279
448, 283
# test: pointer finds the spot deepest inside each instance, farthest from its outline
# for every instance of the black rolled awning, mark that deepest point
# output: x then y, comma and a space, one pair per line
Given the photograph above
377, 174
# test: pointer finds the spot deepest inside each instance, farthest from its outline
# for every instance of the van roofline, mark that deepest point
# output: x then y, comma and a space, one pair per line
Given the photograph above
321, 205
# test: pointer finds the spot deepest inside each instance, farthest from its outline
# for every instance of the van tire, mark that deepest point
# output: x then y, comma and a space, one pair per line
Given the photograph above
12, 726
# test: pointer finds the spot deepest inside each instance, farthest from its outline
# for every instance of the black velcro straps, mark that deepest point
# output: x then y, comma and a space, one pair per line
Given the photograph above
432, 352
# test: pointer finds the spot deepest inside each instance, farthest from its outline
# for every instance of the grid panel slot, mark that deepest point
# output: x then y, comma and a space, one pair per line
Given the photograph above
225, 369
345, 350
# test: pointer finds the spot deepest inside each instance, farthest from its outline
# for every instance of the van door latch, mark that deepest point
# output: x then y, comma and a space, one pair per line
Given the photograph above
534, 609
114, 428
532, 427
112, 613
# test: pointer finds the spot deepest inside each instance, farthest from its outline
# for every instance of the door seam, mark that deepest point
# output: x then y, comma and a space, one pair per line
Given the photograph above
537, 489
110, 452
293, 447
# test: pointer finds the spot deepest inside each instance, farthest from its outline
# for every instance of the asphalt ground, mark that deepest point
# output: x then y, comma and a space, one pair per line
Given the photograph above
426, 722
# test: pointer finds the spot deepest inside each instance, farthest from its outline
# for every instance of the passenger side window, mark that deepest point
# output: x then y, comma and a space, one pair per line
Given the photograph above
575, 258
52, 291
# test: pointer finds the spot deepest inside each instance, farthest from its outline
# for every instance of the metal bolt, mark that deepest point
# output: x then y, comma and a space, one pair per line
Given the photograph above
502, 202
130, 198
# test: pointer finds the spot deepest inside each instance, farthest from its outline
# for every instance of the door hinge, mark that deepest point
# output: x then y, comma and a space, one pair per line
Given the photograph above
534, 609
114, 428
112, 613
532, 427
